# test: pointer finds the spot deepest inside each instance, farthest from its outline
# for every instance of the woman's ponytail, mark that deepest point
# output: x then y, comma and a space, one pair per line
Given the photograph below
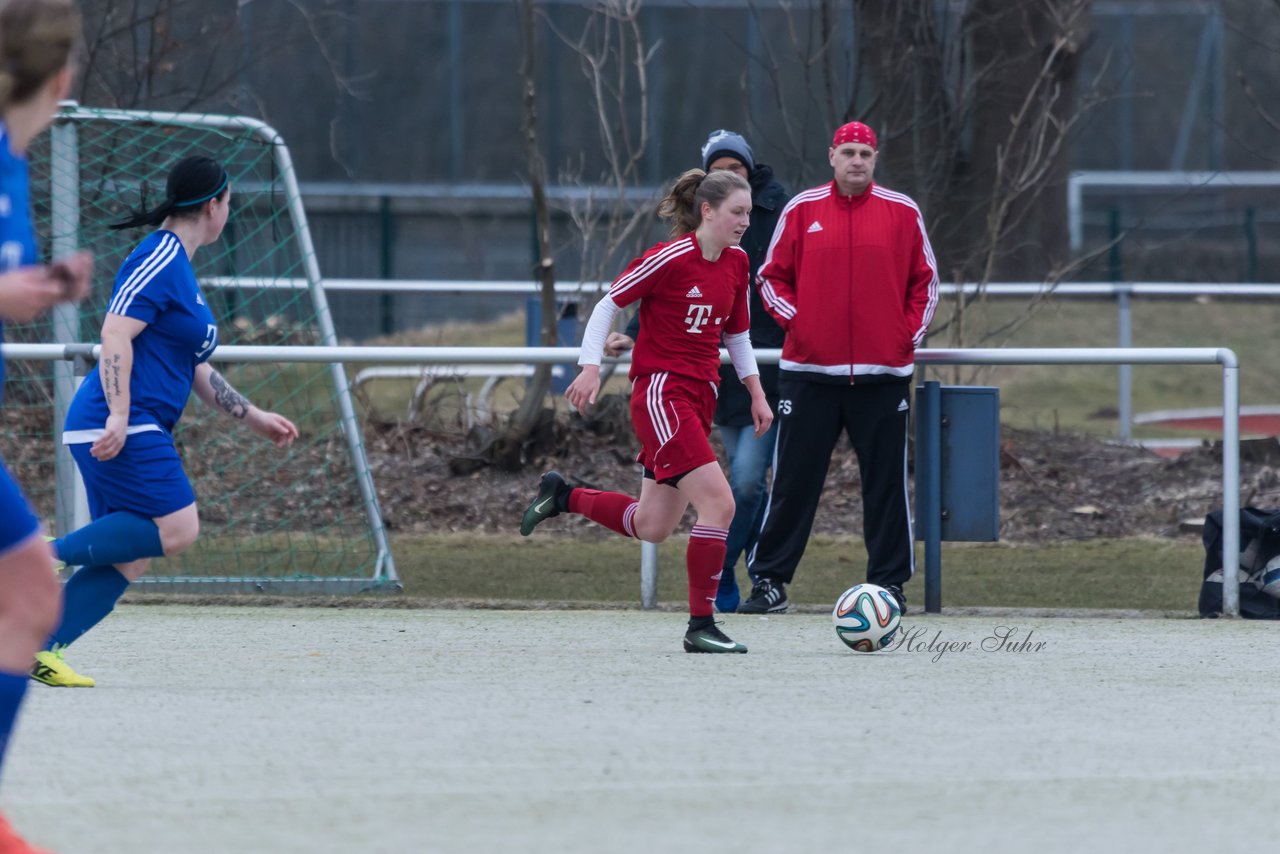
192, 182
681, 204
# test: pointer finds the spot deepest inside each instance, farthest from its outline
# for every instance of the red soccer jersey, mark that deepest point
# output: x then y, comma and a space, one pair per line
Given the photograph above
686, 304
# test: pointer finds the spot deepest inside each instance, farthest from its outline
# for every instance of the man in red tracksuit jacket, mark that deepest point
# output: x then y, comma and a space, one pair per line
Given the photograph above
850, 276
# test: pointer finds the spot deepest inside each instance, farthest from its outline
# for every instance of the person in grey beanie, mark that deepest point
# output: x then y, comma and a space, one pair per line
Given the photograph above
726, 143
748, 457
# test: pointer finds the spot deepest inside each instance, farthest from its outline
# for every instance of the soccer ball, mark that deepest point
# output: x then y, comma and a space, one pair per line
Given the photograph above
866, 617
1269, 578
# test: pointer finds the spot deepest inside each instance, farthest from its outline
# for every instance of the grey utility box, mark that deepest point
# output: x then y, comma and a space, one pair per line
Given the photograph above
966, 453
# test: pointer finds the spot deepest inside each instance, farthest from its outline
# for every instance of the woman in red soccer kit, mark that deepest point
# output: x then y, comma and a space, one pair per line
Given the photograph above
692, 292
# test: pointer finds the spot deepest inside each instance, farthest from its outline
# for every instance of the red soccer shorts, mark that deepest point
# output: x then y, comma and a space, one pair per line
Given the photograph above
672, 415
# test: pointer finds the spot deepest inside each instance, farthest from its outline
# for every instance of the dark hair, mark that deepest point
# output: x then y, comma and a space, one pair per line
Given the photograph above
192, 182
36, 40
683, 205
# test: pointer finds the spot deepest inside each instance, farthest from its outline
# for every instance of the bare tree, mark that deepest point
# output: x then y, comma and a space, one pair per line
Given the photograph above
802, 49
1256, 28
186, 55
609, 220
974, 102
506, 449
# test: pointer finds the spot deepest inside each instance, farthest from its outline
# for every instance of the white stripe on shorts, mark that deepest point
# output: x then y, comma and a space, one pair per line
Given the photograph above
79, 437
657, 412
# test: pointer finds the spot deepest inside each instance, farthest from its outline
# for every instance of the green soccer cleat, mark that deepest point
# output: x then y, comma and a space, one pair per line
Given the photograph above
708, 638
552, 499
52, 670
58, 565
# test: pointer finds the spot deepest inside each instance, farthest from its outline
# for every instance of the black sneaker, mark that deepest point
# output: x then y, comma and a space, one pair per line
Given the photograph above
552, 499
896, 592
766, 598
705, 636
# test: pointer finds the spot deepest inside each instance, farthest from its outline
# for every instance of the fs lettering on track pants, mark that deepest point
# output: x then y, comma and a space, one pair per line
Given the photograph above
811, 416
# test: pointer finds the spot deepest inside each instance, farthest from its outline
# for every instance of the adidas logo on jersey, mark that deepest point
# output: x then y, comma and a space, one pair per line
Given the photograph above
902, 407
694, 293
199, 300
816, 227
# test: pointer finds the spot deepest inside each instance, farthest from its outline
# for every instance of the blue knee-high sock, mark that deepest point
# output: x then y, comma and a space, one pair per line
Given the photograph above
13, 687
87, 598
115, 538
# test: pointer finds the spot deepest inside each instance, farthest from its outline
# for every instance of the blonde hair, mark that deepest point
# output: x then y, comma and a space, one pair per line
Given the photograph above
36, 41
683, 205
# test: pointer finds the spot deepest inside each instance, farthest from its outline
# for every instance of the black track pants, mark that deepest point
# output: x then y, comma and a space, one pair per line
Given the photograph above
811, 416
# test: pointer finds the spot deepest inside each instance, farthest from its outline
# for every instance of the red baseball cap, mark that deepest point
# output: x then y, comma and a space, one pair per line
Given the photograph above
854, 132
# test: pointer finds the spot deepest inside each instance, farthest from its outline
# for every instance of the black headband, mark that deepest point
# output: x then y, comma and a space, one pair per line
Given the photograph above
221, 186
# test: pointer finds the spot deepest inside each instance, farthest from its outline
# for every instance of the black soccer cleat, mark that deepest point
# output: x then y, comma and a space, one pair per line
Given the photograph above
896, 592
705, 636
766, 597
552, 499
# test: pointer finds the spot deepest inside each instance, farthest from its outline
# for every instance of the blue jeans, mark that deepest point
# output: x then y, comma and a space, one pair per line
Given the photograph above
749, 461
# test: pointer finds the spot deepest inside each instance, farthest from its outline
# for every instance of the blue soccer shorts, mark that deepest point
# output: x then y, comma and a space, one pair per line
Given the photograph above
145, 478
17, 521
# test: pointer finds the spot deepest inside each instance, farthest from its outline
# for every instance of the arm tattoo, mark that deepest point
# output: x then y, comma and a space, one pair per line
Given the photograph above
231, 401
112, 385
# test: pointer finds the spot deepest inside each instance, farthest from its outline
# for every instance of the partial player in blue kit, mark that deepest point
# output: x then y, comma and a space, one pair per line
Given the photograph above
36, 41
156, 341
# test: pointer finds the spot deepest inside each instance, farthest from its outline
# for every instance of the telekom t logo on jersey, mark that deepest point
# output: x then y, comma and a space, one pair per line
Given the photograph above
698, 317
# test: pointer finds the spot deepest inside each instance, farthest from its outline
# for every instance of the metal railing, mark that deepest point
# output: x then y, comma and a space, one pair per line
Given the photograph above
648, 575
1152, 180
1122, 292
995, 289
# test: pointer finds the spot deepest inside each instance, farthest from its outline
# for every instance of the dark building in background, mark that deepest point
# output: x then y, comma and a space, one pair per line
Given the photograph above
404, 118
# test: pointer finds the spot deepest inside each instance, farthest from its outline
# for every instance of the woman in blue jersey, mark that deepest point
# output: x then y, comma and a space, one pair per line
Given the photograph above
156, 341
36, 40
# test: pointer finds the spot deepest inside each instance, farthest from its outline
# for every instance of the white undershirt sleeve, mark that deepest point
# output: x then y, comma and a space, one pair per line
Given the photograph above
742, 354
598, 328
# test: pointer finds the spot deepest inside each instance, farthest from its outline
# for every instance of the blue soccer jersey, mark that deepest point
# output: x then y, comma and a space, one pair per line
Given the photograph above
17, 237
17, 249
156, 285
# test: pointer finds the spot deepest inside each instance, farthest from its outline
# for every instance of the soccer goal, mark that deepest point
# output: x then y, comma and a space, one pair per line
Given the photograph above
306, 520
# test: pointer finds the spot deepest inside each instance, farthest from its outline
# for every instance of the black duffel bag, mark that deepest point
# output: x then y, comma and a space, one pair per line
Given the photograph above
1259, 544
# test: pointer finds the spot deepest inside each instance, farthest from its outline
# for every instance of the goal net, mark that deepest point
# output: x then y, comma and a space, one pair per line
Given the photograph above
305, 519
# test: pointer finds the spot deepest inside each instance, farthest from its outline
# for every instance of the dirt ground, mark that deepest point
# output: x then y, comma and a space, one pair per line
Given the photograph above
1054, 486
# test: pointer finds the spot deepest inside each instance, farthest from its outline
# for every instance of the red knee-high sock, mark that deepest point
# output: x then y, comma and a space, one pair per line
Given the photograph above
705, 562
611, 509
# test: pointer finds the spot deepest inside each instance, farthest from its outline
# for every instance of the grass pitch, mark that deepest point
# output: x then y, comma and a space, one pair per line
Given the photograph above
504, 569
1135, 573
